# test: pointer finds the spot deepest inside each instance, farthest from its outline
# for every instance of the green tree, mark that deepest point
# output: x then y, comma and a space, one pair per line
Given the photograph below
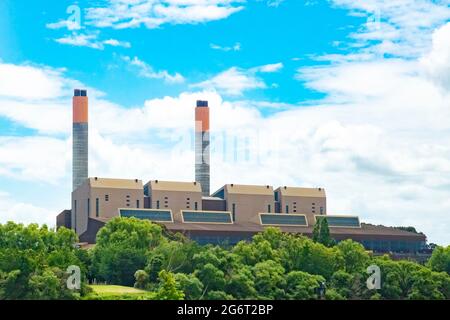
141, 278
355, 257
121, 250
440, 259
212, 278
168, 287
269, 280
302, 286
321, 232
190, 285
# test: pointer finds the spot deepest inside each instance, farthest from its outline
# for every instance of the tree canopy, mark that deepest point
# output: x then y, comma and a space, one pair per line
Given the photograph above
273, 265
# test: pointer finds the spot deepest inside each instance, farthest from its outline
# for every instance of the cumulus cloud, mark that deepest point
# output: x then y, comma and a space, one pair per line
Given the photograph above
91, 41
146, 71
235, 81
22, 212
122, 14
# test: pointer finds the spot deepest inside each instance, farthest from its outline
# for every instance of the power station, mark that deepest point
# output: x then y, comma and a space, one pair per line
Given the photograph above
231, 214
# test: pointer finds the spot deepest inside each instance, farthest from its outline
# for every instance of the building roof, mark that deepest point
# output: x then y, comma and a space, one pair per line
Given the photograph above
302, 192
366, 231
175, 186
248, 189
115, 183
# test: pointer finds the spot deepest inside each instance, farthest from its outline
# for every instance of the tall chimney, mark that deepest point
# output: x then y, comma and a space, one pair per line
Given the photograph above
202, 152
80, 138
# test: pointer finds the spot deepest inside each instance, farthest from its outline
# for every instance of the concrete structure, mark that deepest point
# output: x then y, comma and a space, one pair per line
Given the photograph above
202, 146
80, 138
233, 213
307, 201
175, 196
245, 202
100, 198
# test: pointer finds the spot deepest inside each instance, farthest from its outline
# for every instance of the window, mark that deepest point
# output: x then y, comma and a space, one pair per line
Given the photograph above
206, 217
89, 207
106, 197
196, 206
128, 204
137, 204
234, 212
157, 204
97, 207
128, 196
295, 211
188, 199
287, 209
75, 206
145, 214
321, 210
282, 219
313, 204
166, 198
269, 208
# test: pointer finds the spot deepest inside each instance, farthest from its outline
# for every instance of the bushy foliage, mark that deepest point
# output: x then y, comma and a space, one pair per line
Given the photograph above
34, 260
274, 265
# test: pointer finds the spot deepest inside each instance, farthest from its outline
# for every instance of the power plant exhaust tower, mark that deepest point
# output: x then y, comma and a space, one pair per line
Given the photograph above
202, 144
80, 138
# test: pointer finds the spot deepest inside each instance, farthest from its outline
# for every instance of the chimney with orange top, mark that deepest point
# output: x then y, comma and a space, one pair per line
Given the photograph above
80, 138
202, 152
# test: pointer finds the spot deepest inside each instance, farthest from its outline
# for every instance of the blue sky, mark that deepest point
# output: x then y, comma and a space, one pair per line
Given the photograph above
350, 96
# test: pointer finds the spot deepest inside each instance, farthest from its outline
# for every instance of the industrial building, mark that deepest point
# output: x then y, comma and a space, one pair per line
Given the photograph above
233, 213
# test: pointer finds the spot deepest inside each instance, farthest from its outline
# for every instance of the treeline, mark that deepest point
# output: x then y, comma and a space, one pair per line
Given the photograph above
274, 265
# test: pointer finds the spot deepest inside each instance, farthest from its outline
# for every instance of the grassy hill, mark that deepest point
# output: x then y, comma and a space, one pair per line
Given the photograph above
112, 292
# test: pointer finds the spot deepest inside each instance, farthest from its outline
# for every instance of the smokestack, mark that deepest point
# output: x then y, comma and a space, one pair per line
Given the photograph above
202, 152
80, 138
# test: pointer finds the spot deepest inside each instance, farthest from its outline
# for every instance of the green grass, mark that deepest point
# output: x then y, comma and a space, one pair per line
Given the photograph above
111, 292
107, 289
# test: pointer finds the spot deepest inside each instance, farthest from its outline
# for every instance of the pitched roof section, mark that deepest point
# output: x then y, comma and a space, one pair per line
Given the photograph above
116, 183
249, 189
302, 192
175, 186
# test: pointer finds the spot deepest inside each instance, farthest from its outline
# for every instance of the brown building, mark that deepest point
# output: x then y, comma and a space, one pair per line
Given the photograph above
246, 202
175, 196
307, 201
233, 213
100, 198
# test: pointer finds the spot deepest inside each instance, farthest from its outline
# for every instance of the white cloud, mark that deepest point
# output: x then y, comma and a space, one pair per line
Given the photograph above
121, 14
269, 68
233, 82
29, 82
22, 212
437, 62
67, 24
91, 41
34, 158
235, 47
397, 27
145, 70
